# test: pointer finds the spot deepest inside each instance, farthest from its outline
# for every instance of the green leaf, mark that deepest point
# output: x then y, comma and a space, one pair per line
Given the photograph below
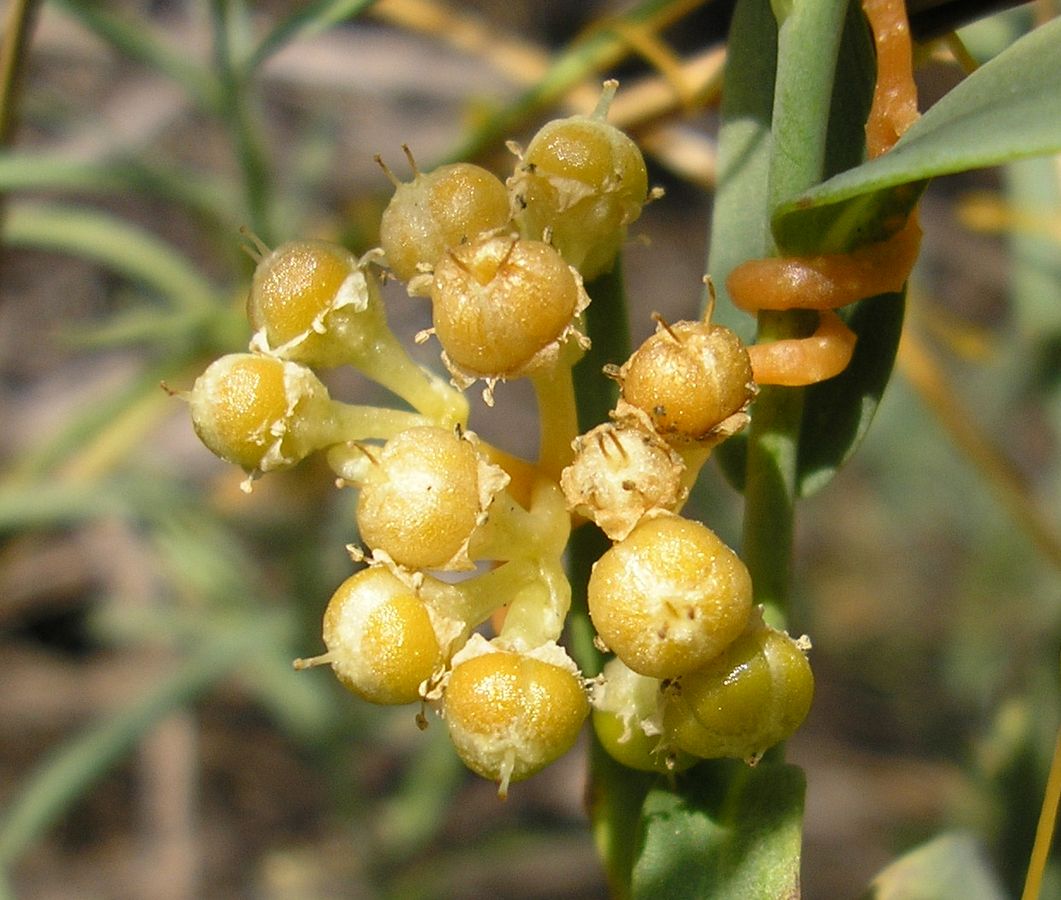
733, 833
952, 865
71, 769
614, 800
837, 413
1008, 109
111, 242
738, 229
306, 21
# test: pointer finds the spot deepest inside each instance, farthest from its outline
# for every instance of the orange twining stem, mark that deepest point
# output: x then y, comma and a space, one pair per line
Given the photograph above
828, 281
894, 106
800, 361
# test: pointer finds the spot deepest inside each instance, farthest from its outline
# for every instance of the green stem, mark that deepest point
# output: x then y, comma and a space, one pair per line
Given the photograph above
237, 112
807, 47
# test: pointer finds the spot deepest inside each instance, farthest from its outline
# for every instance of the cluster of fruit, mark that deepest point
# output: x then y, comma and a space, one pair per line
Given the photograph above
696, 670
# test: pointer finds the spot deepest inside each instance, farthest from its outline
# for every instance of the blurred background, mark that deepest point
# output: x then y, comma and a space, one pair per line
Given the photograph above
154, 741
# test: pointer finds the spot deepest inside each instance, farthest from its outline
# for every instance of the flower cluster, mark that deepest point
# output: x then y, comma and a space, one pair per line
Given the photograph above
696, 672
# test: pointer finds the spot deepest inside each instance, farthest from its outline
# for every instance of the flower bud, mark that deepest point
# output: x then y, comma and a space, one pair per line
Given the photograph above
314, 302
692, 380
436, 211
581, 181
383, 641
502, 307
260, 412
510, 714
670, 597
424, 495
627, 718
620, 473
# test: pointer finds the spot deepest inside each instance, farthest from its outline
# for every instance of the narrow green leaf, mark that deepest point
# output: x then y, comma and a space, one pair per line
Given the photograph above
1008, 109
111, 242
210, 198
614, 800
596, 49
837, 413
81, 761
951, 865
306, 21
733, 833
738, 229
129, 36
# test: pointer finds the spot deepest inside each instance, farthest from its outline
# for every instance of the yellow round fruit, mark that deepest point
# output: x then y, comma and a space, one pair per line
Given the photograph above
669, 597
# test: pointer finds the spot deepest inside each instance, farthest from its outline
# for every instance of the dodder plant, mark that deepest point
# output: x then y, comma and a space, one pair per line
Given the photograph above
810, 235
508, 300
702, 667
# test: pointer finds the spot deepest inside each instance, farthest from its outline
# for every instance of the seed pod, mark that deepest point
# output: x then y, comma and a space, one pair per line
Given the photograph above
509, 713
503, 306
260, 412
692, 380
627, 718
757, 693
582, 182
670, 597
435, 211
383, 641
424, 495
620, 473
314, 302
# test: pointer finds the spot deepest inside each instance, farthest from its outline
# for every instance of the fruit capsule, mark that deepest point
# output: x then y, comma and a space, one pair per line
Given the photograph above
423, 495
582, 182
757, 693
669, 597
314, 302
692, 380
437, 210
509, 713
260, 412
620, 473
382, 639
502, 306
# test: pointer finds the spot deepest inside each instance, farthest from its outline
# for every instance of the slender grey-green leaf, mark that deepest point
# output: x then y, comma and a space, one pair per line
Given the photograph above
1008, 109
949, 866
113, 243
308, 20
78, 763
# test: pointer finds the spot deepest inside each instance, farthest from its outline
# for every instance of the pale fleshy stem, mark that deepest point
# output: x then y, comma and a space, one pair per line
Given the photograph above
555, 391
481, 595
537, 614
360, 422
388, 363
512, 532
694, 458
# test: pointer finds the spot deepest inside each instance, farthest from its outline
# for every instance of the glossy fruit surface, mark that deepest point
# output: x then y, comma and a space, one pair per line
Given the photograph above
257, 411
581, 181
754, 695
511, 714
688, 378
428, 490
312, 302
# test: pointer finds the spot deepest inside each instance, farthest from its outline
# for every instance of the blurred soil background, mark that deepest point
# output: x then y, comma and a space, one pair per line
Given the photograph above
932, 607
